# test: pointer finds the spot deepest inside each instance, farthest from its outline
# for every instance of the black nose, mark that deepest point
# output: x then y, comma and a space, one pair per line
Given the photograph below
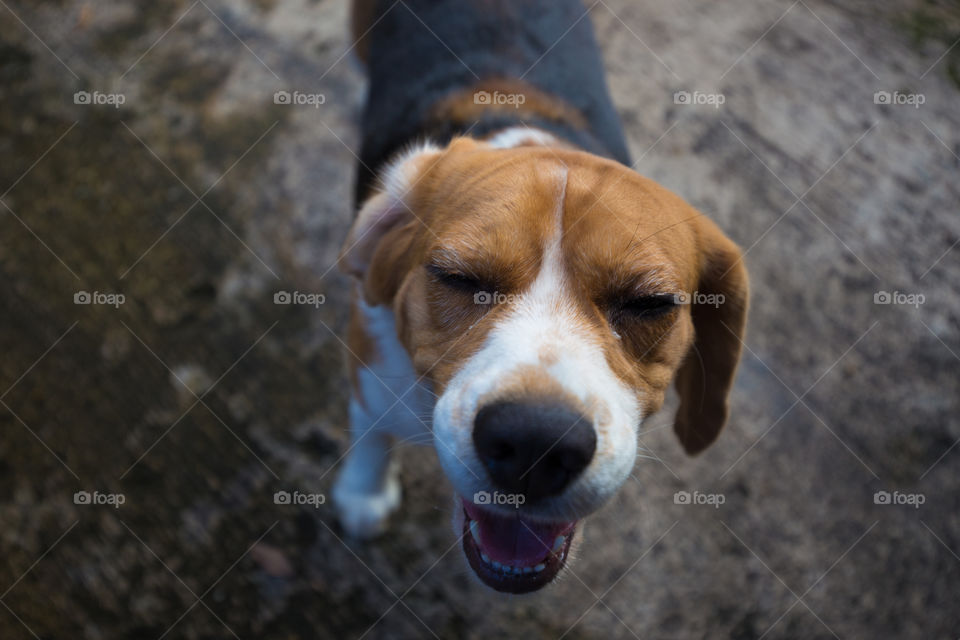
533, 448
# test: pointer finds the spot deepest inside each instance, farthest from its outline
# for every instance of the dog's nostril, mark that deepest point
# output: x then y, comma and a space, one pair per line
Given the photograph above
501, 451
572, 460
534, 448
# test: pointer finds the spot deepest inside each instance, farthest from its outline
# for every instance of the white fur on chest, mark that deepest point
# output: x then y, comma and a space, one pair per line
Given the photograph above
392, 399
389, 404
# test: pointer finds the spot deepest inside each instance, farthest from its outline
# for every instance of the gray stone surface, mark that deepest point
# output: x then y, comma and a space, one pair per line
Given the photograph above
834, 197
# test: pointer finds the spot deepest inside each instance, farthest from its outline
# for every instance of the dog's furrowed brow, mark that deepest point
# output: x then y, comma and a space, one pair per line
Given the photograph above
651, 282
450, 260
639, 279
506, 265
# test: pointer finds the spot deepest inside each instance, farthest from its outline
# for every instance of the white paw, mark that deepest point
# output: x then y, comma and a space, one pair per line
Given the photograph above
365, 515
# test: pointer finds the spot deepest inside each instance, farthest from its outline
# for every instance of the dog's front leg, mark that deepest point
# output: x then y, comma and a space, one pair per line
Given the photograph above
387, 403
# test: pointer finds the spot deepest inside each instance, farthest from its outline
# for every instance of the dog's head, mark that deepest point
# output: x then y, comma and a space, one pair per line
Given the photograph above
550, 296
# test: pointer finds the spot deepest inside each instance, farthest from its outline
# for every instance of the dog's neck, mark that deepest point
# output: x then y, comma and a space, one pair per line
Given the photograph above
500, 77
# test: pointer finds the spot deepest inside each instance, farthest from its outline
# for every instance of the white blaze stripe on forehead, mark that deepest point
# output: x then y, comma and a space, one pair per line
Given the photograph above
543, 319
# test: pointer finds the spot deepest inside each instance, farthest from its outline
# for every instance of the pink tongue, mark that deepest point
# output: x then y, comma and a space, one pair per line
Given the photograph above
512, 540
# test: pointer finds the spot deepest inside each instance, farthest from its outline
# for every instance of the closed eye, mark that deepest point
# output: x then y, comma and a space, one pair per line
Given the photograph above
645, 307
454, 279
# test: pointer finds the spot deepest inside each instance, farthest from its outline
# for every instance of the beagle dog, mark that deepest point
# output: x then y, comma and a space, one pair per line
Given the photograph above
523, 299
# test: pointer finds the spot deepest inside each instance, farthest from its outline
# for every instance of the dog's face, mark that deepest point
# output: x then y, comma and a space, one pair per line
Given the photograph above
550, 296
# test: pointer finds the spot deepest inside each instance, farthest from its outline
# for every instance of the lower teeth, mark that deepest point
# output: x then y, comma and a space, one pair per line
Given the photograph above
505, 568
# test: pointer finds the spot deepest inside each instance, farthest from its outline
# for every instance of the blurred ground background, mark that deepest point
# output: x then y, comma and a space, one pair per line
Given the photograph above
198, 397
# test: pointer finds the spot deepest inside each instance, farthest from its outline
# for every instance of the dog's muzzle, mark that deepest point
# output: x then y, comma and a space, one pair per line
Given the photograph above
532, 450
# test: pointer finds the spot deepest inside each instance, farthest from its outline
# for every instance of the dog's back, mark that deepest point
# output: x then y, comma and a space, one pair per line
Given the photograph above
437, 69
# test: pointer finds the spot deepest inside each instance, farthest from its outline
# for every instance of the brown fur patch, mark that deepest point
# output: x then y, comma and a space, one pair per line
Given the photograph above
462, 106
530, 381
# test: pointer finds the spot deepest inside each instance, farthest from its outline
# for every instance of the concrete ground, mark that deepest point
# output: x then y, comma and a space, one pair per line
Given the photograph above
198, 398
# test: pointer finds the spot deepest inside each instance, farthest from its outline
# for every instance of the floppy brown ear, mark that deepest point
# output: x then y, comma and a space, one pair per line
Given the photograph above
380, 239
719, 312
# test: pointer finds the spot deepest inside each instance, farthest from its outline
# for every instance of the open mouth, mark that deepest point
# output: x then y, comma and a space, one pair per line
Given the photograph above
512, 554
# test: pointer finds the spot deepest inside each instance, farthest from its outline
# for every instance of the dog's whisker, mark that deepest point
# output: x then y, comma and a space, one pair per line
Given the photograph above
420, 437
